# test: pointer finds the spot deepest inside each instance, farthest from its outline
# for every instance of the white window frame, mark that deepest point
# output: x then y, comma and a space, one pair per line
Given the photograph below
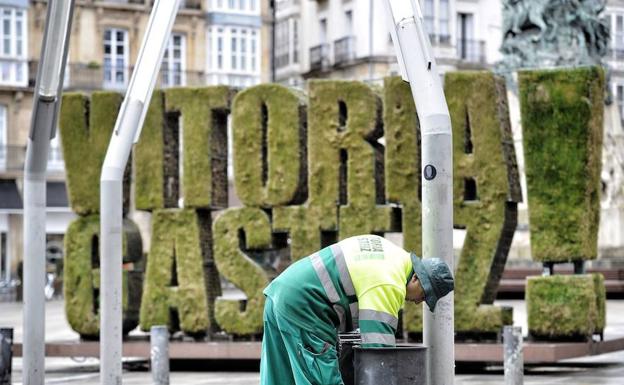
239, 55
14, 63
170, 76
113, 70
234, 6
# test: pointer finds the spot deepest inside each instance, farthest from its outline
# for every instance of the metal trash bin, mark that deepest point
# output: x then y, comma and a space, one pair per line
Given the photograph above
346, 343
6, 355
400, 365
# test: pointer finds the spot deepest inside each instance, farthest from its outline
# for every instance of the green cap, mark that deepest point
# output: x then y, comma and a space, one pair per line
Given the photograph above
435, 278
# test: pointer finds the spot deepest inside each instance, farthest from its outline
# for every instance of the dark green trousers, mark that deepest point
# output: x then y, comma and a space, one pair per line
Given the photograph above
292, 356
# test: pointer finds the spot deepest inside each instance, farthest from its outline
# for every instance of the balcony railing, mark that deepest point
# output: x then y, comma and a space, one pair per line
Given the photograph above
344, 50
184, 4
471, 51
615, 54
439, 39
89, 77
319, 57
12, 157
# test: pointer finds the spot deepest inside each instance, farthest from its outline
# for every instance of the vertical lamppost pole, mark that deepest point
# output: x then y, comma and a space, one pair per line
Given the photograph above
126, 132
418, 67
47, 99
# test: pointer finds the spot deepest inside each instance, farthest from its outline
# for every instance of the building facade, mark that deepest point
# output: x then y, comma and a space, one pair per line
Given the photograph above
351, 39
212, 42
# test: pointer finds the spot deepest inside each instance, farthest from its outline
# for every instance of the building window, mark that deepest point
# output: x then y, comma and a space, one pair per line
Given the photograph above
444, 21
429, 17
619, 97
115, 58
243, 50
5, 269
287, 42
233, 56
55, 155
3, 136
295, 34
13, 60
173, 65
281, 44
233, 49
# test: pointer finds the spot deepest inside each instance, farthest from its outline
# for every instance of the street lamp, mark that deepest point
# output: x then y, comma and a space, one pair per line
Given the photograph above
44, 117
126, 132
418, 67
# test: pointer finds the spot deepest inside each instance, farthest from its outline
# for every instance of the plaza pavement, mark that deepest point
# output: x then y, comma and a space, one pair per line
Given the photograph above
606, 369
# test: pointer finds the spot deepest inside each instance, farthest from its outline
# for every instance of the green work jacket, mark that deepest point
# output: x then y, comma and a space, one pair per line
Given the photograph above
356, 283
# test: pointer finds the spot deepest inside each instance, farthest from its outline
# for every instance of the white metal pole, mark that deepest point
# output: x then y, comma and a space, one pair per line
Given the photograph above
514, 360
127, 130
47, 97
419, 68
159, 354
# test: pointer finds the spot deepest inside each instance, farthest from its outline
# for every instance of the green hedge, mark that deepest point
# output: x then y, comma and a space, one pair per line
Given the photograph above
345, 120
175, 246
482, 152
269, 148
562, 307
203, 116
239, 269
82, 276
601, 302
562, 114
86, 126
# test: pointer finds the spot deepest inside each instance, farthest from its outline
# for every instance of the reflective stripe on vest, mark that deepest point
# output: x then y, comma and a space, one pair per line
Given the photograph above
380, 316
330, 289
378, 338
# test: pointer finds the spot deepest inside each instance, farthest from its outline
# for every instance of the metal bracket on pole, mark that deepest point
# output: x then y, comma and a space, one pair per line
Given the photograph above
126, 132
47, 97
418, 66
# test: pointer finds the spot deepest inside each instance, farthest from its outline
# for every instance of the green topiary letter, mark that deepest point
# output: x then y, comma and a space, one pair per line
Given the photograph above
175, 274
240, 269
268, 133
562, 128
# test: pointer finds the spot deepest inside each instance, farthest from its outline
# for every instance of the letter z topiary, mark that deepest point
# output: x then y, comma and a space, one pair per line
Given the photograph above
486, 191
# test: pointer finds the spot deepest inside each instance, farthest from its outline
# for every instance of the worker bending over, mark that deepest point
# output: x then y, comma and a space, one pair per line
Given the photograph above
361, 282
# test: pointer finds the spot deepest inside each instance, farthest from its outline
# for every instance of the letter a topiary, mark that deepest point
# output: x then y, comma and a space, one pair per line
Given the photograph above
562, 129
239, 269
82, 276
268, 133
86, 126
486, 190
203, 118
175, 274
